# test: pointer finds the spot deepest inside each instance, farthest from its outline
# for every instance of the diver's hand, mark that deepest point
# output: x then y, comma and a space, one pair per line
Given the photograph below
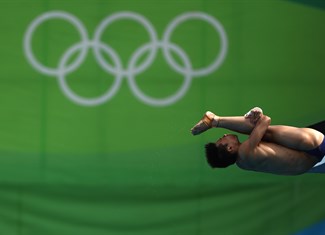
254, 115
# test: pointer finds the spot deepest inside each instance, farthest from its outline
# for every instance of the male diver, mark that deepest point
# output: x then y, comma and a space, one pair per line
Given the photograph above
277, 149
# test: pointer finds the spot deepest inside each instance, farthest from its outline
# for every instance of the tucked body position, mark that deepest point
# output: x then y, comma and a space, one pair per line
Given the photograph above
277, 149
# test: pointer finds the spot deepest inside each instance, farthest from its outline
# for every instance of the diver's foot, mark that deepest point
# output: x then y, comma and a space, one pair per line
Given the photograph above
208, 121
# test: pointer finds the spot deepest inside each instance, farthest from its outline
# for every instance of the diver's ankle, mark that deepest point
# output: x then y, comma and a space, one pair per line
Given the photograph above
214, 118
215, 122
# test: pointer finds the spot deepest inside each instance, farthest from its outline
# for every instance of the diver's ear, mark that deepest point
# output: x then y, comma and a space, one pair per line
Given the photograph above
232, 148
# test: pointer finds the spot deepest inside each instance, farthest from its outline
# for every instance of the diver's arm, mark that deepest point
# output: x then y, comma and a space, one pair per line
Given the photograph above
258, 132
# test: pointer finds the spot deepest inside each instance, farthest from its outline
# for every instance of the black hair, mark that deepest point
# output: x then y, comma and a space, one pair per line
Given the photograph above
219, 156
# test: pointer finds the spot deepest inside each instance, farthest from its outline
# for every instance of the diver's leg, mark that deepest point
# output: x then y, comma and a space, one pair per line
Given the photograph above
237, 123
288, 136
242, 124
294, 137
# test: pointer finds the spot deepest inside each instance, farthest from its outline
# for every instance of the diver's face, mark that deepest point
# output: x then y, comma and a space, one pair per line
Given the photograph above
227, 139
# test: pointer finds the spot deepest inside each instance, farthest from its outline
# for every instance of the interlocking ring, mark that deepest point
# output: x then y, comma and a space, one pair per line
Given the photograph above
132, 69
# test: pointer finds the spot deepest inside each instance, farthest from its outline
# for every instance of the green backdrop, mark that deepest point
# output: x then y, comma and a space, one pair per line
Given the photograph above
74, 163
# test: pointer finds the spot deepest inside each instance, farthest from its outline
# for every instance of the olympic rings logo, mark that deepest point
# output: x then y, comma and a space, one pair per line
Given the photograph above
132, 69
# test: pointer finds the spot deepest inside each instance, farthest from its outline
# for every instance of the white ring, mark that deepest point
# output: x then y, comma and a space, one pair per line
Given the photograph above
81, 100
215, 23
28, 41
125, 15
170, 99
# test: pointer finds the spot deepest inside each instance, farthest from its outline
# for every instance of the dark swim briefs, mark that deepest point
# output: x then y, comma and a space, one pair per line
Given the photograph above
318, 152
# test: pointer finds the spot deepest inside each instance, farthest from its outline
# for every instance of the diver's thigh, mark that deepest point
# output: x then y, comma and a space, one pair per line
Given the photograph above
289, 136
